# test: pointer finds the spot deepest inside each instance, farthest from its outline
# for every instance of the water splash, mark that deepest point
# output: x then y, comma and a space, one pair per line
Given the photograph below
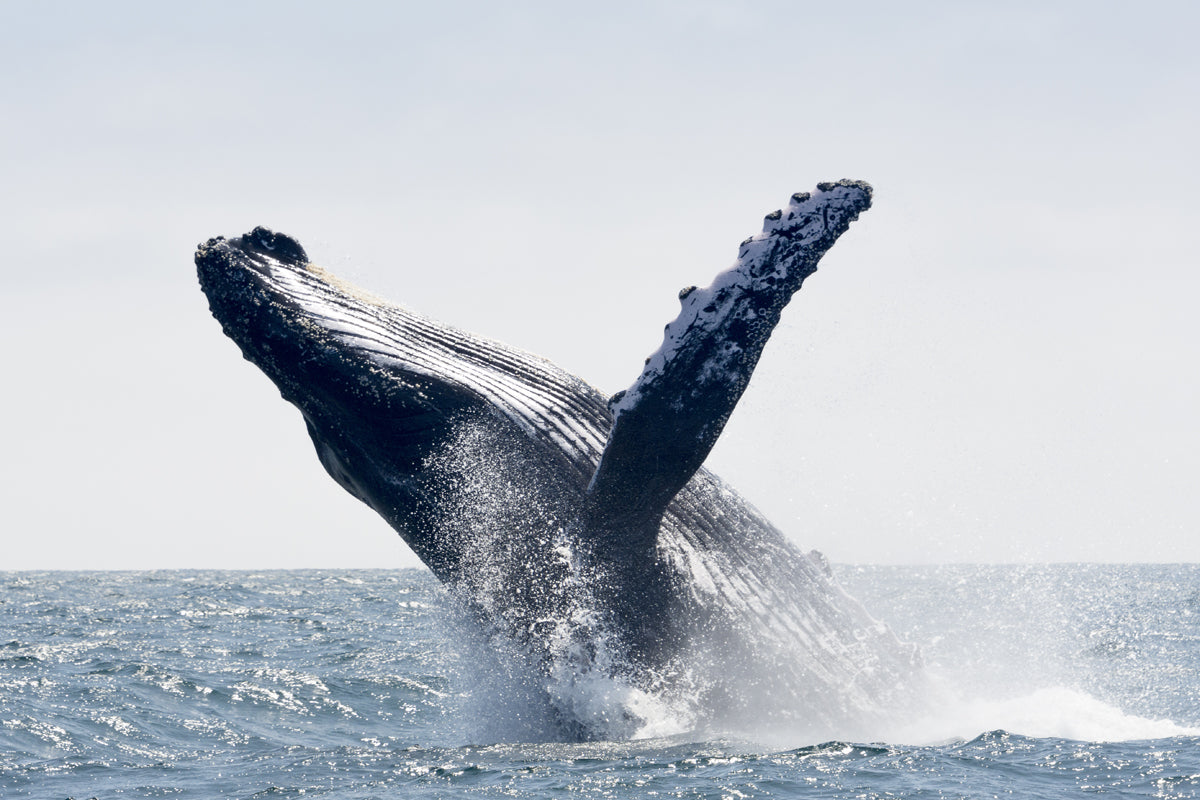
550, 667
1083, 652
781, 645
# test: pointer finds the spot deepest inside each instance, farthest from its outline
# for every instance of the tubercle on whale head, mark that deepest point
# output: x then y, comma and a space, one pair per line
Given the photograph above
277, 245
257, 286
237, 277
264, 241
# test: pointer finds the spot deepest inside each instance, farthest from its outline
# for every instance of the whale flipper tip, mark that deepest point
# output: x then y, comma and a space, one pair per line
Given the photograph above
845, 183
666, 422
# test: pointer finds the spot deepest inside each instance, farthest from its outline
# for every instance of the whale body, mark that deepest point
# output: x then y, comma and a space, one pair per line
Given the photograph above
580, 528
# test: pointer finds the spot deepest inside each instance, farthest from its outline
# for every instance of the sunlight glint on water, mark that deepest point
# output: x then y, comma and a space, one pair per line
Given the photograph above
1051, 681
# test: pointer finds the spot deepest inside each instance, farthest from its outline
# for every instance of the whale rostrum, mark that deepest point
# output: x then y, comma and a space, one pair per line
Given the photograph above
564, 520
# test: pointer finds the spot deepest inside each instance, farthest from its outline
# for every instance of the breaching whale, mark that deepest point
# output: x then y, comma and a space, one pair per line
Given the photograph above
584, 530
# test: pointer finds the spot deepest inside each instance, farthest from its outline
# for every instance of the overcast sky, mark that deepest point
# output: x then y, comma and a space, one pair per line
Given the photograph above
998, 362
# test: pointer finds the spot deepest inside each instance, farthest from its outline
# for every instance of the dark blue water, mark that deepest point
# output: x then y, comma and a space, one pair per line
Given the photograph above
1057, 681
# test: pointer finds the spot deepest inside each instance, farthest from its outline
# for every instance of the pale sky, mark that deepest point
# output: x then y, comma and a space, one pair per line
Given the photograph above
998, 362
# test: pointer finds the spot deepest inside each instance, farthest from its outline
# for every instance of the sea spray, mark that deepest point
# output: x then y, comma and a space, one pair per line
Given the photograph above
1079, 651
782, 648
560, 672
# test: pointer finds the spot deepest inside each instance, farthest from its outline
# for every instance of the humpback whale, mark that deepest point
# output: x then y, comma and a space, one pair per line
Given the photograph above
584, 530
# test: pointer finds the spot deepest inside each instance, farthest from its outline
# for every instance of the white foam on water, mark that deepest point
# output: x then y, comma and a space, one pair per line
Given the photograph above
1049, 712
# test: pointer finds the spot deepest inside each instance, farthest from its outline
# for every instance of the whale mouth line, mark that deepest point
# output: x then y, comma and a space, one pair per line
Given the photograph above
584, 529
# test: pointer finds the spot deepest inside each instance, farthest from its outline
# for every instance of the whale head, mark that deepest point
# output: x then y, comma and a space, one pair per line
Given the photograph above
388, 396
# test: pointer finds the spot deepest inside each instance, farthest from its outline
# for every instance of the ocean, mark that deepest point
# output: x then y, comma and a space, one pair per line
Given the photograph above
1045, 682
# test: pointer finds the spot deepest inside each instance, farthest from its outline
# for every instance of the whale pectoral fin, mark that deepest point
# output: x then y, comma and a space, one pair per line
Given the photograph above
669, 419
